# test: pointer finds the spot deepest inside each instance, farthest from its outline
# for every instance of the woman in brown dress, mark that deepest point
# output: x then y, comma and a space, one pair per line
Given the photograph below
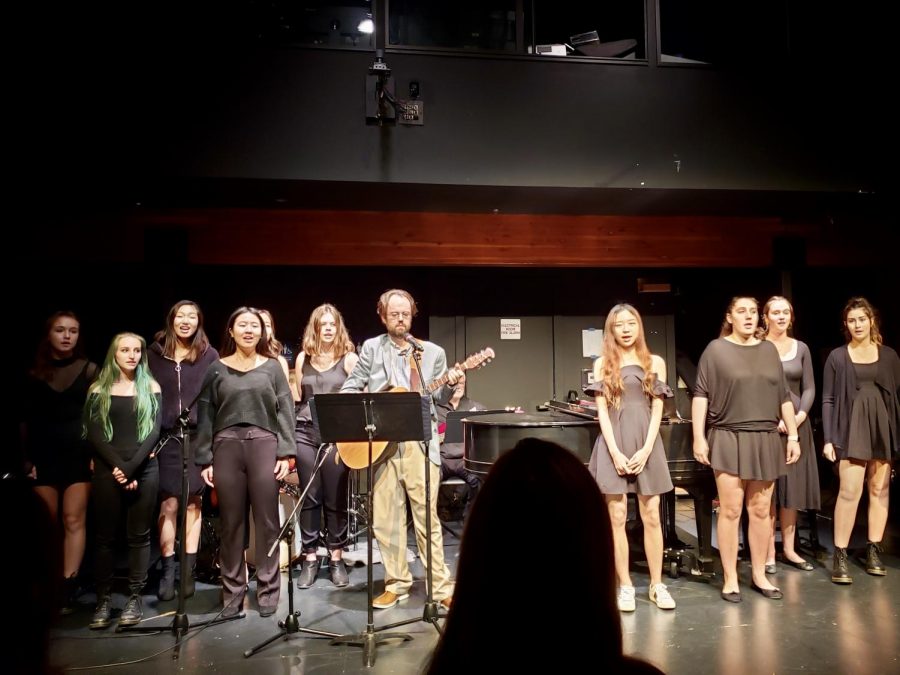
739, 398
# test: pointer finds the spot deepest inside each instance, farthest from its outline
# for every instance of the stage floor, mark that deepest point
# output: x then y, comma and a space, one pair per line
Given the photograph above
818, 627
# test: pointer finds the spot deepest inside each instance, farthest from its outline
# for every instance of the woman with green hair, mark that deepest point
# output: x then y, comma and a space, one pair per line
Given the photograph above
121, 420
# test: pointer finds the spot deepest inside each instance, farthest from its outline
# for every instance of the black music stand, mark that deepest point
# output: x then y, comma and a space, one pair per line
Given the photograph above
392, 416
180, 623
291, 623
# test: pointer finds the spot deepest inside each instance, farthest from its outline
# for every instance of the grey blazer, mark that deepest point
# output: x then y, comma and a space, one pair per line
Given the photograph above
372, 374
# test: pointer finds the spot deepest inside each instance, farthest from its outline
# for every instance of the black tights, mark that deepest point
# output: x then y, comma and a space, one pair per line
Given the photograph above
328, 492
109, 499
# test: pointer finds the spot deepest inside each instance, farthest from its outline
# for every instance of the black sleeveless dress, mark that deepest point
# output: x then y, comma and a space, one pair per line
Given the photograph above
54, 443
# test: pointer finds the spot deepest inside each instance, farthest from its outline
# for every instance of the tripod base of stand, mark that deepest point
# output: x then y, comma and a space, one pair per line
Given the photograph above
369, 642
430, 614
289, 626
180, 627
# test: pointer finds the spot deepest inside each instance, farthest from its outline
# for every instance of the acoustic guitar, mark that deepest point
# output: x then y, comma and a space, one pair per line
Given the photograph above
355, 454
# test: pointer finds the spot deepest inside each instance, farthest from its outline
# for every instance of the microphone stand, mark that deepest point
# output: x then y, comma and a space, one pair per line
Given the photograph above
291, 623
180, 623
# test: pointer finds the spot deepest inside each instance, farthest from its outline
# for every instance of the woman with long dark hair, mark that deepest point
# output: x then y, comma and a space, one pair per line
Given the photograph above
245, 429
861, 420
121, 419
628, 456
739, 398
179, 358
56, 455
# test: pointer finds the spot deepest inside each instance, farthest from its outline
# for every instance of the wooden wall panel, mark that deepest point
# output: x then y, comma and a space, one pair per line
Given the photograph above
291, 237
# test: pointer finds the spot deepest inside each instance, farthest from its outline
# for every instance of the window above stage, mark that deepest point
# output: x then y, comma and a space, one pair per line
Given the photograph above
708, 32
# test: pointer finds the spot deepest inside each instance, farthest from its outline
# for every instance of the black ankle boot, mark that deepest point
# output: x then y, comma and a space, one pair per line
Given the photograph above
166, 589
133, 612
69, 595
190, 564
337, 570
102, 613
874, 565
840, 573
308, 573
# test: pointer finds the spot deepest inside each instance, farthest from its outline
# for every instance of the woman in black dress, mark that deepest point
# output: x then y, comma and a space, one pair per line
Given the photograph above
739, 398
178, 360
121, 418
861, 420
56, 455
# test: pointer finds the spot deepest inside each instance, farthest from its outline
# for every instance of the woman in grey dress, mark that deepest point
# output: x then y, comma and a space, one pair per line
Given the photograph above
628, 456
799, 489
861, 423
739, 398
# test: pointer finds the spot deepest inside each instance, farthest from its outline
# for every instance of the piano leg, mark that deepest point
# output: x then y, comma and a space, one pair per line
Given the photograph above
703, 497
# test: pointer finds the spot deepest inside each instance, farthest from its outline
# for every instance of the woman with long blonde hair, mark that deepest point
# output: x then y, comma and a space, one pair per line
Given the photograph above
121, 420
628, 456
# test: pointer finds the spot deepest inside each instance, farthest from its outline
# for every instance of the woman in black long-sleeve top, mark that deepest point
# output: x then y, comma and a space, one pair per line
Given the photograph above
245, 430
122, 425
861, 420
179, 359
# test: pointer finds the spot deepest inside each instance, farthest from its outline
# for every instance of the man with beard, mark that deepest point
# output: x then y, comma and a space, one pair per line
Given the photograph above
387, 361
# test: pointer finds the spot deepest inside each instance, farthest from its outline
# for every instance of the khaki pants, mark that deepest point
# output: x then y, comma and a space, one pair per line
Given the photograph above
402, 475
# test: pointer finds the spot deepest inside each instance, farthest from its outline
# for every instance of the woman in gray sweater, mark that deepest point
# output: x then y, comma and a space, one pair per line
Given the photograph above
245, 427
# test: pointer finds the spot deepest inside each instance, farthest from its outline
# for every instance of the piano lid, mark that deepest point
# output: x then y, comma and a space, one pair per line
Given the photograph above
588, 410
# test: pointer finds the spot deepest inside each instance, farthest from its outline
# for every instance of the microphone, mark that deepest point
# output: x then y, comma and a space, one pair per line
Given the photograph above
184, 417
415, 344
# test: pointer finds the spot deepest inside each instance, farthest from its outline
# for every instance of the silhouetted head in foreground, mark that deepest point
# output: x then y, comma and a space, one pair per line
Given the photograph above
535, 583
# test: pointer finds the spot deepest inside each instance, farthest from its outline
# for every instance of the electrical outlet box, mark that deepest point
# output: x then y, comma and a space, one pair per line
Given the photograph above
412, 113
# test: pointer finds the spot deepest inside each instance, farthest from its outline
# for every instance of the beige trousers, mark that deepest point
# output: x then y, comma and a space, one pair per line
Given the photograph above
402, 475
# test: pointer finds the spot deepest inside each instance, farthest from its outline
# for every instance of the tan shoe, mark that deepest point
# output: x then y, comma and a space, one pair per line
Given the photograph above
388, 599
446, 602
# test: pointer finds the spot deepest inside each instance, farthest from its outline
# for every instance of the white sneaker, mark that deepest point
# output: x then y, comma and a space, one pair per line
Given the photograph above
625, 598
660, 595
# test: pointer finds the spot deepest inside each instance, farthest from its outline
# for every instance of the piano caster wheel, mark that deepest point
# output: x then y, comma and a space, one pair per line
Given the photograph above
673, 569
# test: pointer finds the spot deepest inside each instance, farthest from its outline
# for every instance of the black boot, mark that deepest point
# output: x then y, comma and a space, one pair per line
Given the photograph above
840, 573
873, 561
69, 595
190, 564
166, 589
308, 573
337, 570
133, 612
102, 612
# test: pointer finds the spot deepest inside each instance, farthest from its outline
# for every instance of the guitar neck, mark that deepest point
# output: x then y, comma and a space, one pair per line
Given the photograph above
442, 380
434, 385
474, 361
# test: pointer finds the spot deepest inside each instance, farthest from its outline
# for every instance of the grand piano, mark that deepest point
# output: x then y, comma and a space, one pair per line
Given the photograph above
574, 426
